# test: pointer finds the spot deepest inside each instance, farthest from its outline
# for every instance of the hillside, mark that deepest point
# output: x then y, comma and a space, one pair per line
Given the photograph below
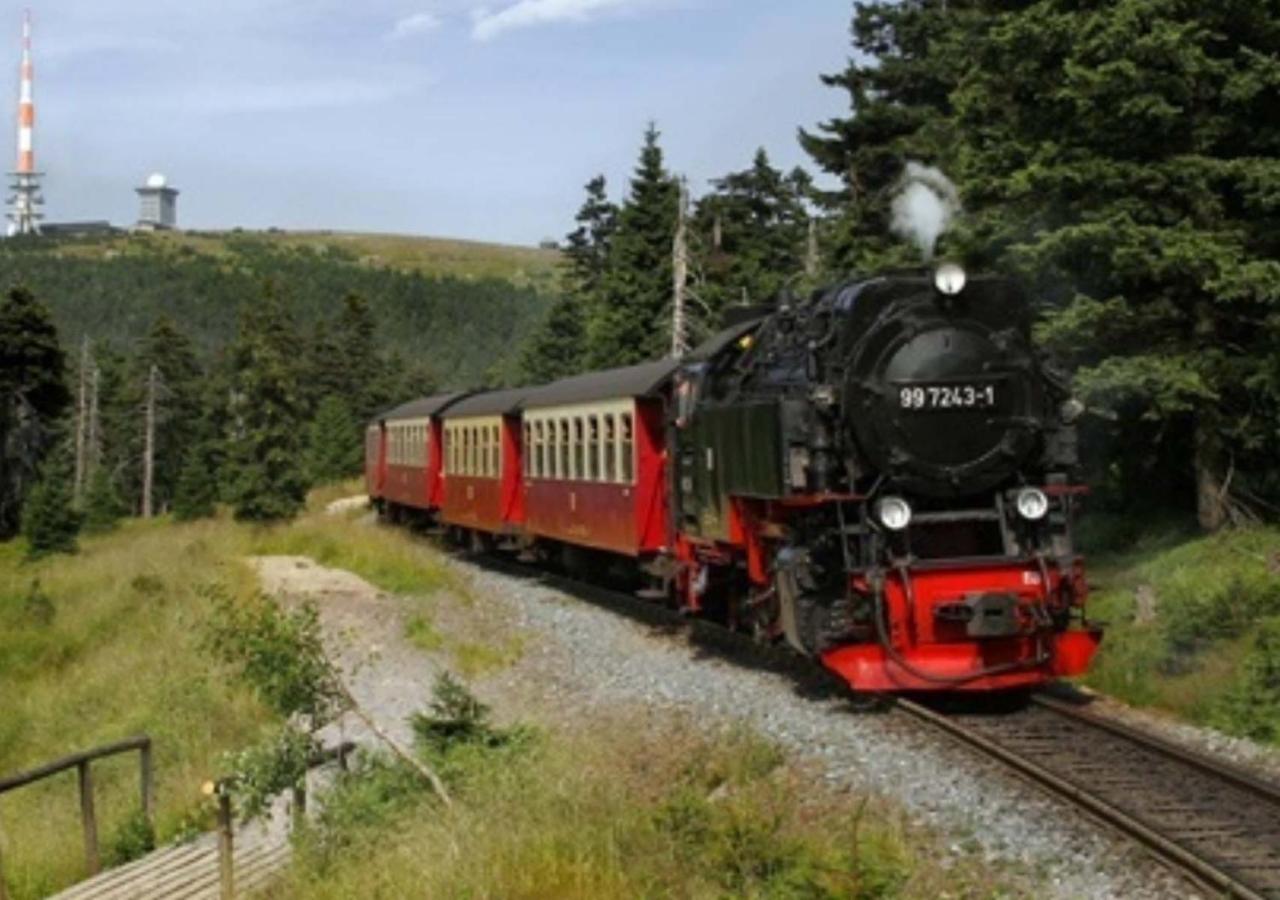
442, 257
456, 307
1193, 623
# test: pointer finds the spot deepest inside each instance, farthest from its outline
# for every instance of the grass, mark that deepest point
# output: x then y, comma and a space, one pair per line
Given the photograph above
473, 659
1184, 647
471, 260
389, 560
102, 645
620, 808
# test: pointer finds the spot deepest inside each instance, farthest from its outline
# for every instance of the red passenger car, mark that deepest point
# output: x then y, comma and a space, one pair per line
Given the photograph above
403, 456
595, 463
482, 463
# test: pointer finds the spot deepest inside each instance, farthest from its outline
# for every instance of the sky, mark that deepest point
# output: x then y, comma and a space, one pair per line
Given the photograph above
478, 119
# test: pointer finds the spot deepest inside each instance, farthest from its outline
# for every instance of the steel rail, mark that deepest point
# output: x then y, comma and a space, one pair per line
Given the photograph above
1235, 775
1200, 868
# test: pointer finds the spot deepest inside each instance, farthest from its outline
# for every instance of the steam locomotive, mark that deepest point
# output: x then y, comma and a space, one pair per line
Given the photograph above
881, 475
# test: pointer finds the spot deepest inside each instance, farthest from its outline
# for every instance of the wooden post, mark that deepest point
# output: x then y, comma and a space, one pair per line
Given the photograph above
147, 777
226, 847
149, 449
4, 891
88, 819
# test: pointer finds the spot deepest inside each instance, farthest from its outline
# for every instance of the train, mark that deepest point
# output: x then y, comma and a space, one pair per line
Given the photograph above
882, 475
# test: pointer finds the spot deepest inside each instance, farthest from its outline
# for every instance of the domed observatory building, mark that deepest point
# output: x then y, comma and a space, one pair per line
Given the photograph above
159, 205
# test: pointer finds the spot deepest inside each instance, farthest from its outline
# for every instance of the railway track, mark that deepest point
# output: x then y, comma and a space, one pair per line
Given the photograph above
1213, 821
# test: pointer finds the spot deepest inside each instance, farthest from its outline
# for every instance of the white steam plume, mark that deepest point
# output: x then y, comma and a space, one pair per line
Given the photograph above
925, 202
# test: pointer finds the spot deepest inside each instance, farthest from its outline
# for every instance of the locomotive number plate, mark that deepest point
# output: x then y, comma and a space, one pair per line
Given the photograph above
929, 397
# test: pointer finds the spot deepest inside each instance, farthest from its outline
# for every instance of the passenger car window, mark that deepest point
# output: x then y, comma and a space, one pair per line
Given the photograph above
627, 449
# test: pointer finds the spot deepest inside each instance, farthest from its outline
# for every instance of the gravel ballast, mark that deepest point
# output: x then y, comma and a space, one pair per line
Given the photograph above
581, 657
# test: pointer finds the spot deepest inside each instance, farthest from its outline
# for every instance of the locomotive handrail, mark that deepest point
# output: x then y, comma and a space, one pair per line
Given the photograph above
81, 762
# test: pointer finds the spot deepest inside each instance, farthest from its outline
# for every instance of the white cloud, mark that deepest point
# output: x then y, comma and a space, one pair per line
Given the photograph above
529, 13
413, 25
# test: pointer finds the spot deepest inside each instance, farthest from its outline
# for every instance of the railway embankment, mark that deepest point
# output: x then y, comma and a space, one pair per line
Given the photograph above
607, 687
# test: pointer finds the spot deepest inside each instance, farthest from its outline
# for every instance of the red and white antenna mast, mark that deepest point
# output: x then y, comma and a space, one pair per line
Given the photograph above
24, 214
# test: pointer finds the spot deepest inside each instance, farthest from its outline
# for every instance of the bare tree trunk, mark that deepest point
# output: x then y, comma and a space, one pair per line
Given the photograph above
1212, 506
149, 448
82, 422
680, 278
94, 450
811, 257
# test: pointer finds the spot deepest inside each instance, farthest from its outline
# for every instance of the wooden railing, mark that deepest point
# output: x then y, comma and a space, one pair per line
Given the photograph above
222, 790
81, 762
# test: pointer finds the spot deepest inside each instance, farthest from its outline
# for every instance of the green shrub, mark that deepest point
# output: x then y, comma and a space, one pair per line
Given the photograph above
134, 839
1252, 706
274, 765
197, 490
103, 508
365, 799
277, 652
50, 522
1193, 622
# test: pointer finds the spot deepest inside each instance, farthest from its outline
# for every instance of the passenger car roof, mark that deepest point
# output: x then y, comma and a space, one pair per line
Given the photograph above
488, 403
422, 407
611, 384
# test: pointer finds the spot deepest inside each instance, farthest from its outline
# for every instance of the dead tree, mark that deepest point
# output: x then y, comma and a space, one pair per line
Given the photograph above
82, 421
149, 443
680, 277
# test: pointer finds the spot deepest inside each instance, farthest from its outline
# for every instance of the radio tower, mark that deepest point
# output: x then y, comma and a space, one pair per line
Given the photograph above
24, 214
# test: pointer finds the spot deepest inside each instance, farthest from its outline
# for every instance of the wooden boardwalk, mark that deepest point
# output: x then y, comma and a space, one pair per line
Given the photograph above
190, 871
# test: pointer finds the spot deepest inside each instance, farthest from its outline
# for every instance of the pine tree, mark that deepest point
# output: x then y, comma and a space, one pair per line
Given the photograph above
50, 522
557, 348
102, 507
753, 231
334, 449
33, 396
910, 56
587, 246
630, 323
1124, 160
326, 371
415, 379
265, 446
179, 408
197, 491
366, 377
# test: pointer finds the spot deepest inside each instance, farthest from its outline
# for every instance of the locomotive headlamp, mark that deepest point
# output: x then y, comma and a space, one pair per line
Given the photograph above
949, 279
894, 513
1032, 504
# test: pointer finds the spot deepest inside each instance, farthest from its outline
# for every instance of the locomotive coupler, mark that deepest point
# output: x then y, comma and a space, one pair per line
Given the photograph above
983, 615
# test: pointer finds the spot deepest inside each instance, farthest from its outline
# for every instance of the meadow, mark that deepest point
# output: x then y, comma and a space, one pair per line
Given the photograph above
100, 646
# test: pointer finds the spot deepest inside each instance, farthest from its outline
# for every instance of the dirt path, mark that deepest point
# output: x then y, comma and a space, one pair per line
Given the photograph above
364, 632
